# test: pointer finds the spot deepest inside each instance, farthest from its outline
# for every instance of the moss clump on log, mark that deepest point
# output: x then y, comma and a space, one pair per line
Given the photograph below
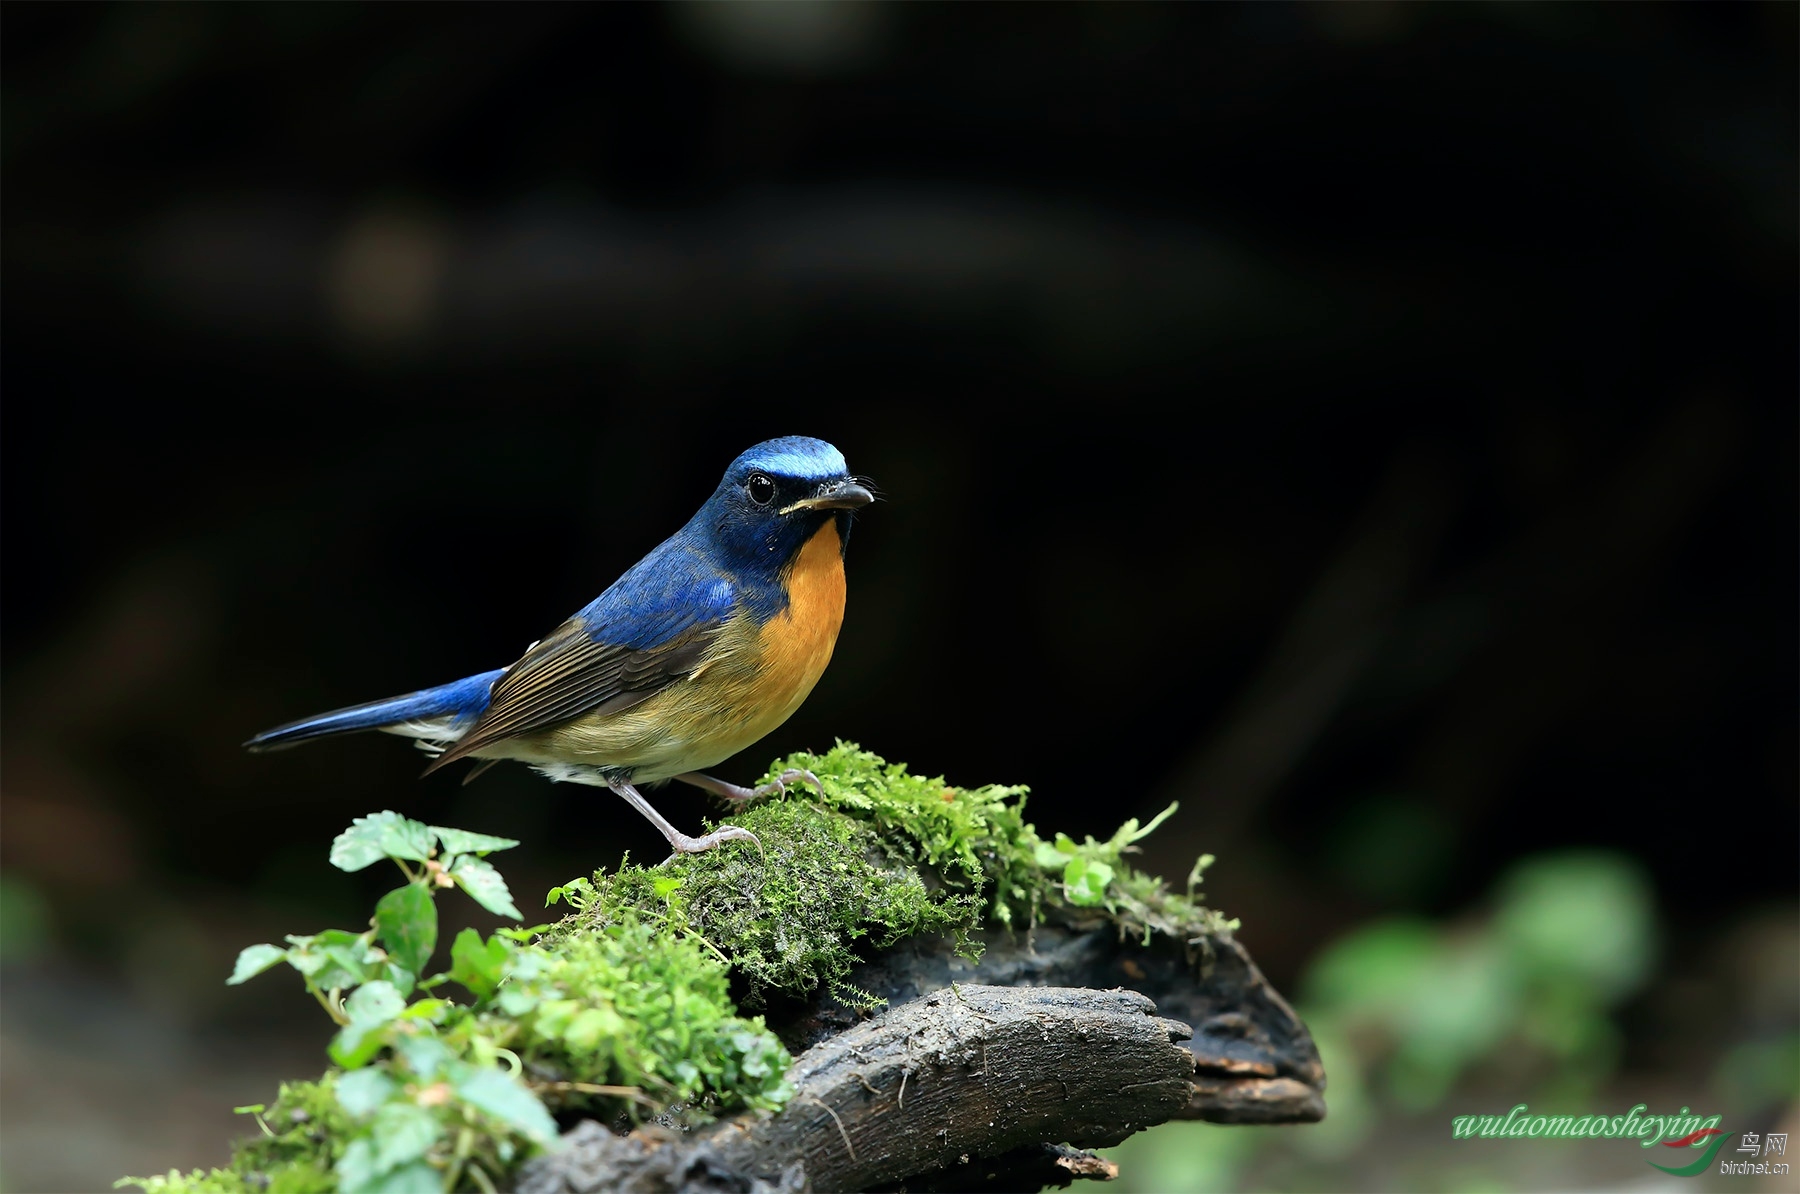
880, 855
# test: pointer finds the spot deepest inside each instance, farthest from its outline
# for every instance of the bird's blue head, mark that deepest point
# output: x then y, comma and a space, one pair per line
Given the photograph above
776, 496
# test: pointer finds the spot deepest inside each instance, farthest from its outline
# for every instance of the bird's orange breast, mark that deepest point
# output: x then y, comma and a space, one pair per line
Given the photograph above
797, 643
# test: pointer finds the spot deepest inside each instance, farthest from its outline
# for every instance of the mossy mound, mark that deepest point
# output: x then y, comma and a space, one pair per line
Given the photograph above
880, 855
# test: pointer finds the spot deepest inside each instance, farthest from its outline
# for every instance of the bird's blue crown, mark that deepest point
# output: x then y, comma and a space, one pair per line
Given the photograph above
799, 457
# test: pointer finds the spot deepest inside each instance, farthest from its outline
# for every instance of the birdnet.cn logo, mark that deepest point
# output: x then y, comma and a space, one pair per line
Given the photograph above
1700, 1134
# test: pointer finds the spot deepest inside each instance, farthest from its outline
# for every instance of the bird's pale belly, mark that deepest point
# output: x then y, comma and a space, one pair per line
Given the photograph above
752, 682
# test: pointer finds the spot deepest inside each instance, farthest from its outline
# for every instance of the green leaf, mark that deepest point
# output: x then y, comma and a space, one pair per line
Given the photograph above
477, 965
516, 1001
433, 1011
356, 1168
1048, 856
554, 1015
360, 1092
355, 1045
335, 959
426, 1056
461, 841
384, 835
253, 961
485, 886
522, 935
662, 885
417, 1177
403, 979
375, 1003
504, 1098
359, 1172
1085, 880
406, 921
586, 1031
402, 1132
371, 1009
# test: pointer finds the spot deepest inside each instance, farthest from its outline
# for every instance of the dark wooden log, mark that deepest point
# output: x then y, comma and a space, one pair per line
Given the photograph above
989, 1075
929, 1087
1254, 1061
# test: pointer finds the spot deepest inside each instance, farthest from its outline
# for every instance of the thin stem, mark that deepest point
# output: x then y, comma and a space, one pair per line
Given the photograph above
635, 1094
719, 953
465, 1143
331, 1009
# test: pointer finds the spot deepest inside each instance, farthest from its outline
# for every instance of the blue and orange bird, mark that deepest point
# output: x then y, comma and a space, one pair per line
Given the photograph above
703, 647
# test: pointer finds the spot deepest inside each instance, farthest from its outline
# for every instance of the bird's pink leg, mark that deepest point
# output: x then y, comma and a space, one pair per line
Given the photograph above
680, 842
733, 792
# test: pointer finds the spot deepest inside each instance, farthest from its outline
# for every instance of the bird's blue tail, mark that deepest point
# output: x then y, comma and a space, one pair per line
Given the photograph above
443, 712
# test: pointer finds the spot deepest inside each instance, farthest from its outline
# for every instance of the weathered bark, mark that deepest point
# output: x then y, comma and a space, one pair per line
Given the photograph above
938, 1084
1254, 1061
981, 1075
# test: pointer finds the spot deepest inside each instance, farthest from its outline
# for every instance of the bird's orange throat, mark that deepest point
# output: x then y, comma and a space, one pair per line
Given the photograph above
797, 642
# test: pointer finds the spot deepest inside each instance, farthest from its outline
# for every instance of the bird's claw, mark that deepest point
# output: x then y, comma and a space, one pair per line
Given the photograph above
683, 844
778, 785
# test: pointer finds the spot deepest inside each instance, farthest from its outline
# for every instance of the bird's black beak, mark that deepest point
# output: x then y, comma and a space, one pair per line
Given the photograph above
844, 494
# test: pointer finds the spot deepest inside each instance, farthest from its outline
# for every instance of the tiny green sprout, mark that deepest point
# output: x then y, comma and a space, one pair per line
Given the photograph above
255, 1109
576, 893
1198, 874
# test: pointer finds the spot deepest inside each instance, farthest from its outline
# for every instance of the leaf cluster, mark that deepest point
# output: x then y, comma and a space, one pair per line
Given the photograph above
431, 1093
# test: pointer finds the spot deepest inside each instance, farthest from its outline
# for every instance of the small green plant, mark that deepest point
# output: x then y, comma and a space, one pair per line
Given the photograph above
432, 1094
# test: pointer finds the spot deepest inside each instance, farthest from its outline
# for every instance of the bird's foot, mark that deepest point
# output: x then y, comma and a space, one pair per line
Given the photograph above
681, 843
791, 776
737, 794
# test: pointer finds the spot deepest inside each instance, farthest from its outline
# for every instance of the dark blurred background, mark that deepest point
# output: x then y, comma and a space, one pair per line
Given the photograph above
1372, 425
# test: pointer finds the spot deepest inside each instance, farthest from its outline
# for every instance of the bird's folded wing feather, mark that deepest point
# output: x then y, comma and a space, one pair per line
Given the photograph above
611, 656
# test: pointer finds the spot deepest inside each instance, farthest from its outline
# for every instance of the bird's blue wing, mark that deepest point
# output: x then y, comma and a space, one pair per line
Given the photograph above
653, 627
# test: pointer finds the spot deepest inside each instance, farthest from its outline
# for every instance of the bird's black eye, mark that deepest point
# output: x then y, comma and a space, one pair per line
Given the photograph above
762, 490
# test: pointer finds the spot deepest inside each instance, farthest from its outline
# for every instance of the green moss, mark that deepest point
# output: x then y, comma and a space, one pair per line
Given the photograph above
299, 1140
882, 855
791, 916
634, 1004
